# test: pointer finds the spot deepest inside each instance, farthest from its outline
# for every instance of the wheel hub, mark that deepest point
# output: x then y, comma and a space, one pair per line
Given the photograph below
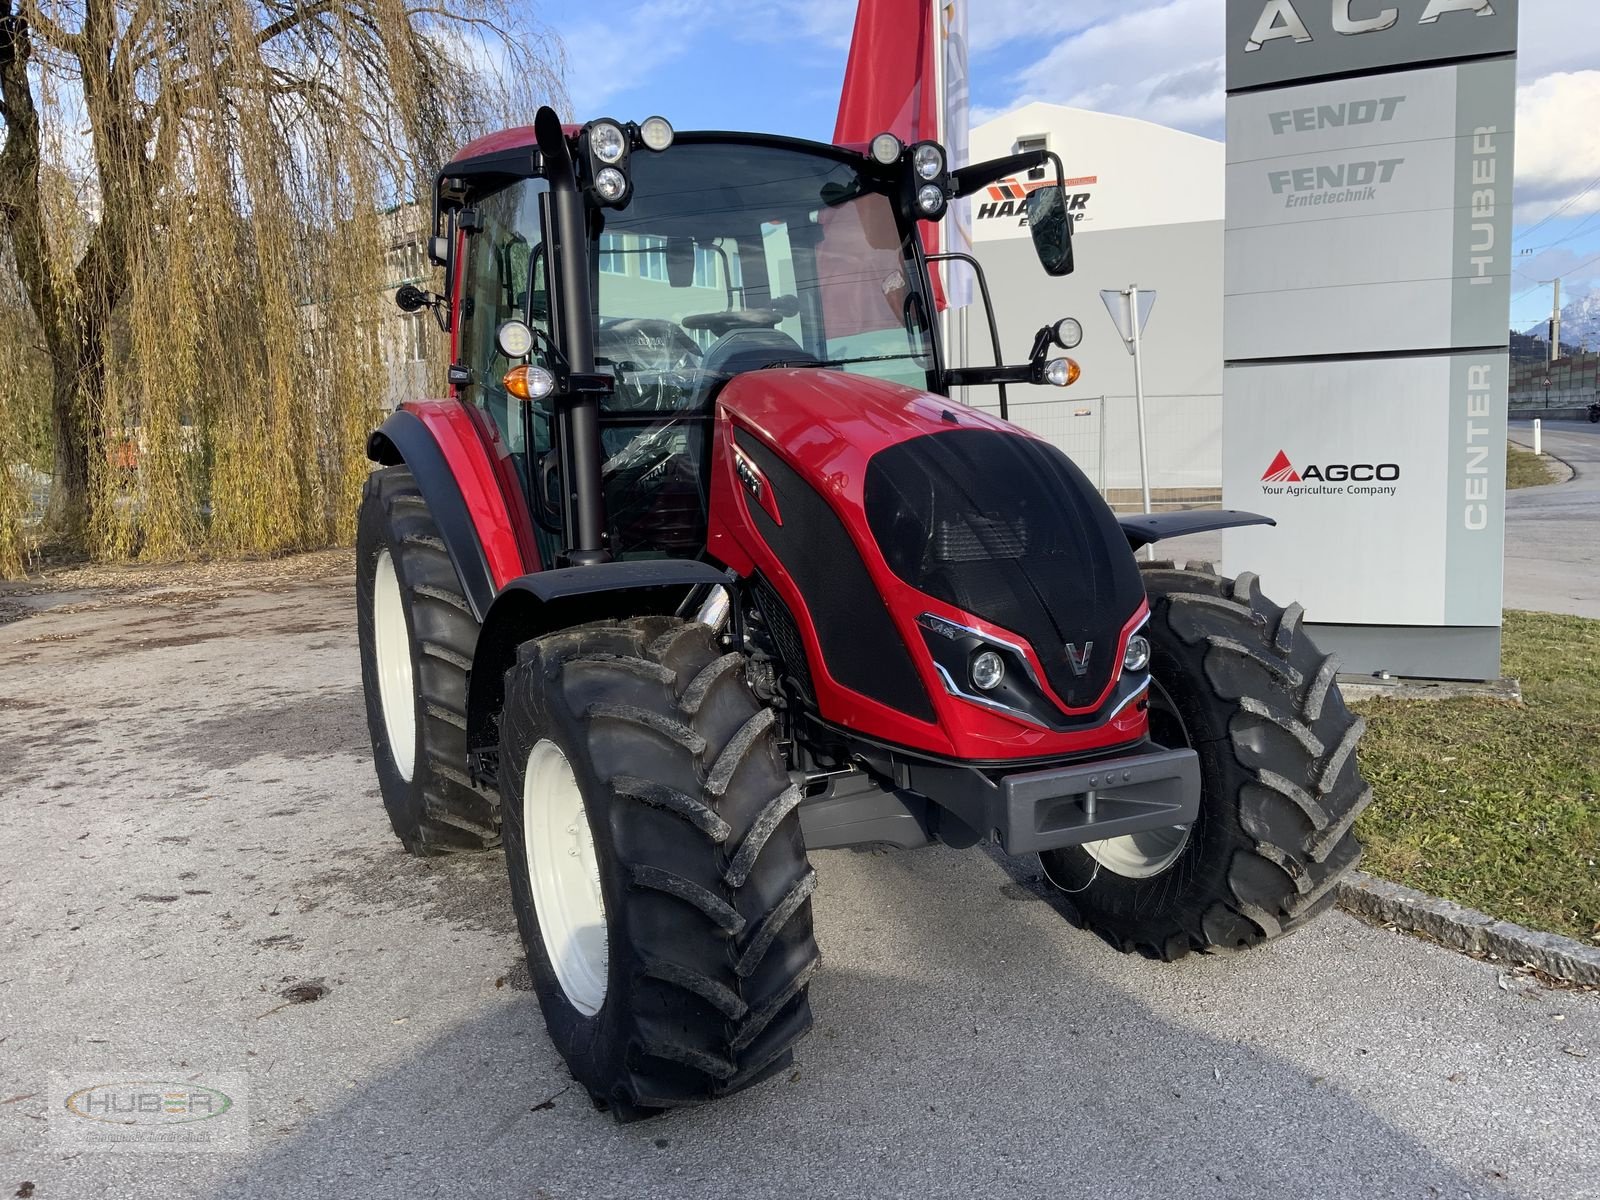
1150, 852
392, 650
564, 877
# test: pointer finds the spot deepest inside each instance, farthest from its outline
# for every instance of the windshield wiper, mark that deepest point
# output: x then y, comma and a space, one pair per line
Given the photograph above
836, 362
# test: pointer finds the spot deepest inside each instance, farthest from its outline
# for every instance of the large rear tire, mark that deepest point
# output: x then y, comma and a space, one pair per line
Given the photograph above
1237, 678
657, 869
417, 635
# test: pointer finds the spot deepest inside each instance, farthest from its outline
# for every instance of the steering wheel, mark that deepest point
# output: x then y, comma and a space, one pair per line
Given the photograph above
720, 323
655, 344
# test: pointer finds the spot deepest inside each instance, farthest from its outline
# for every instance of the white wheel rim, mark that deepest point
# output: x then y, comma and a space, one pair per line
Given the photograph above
564, 877
1140, 855
392, 649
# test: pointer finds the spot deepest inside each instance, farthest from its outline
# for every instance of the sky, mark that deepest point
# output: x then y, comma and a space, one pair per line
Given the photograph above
777, 66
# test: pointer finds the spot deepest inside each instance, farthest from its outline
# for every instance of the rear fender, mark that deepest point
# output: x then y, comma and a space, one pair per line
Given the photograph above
534, 605
465, 487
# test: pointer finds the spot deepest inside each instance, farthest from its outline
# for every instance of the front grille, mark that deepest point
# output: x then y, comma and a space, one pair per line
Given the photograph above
975, 538
785, 637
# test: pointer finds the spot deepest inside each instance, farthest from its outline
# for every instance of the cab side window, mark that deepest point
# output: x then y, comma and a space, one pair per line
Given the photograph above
503, 279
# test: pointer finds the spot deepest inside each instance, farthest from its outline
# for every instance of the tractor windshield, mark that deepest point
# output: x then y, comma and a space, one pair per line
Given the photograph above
737, 256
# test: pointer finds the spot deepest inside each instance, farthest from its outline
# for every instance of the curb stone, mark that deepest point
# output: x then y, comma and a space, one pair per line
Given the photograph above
1468, 930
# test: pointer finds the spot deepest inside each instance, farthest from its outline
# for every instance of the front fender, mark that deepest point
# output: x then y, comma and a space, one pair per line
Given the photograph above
1143, 528
447, 456
534, 605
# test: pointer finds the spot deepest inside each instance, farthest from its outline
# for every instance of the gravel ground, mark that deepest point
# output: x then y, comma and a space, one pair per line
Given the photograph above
192, 827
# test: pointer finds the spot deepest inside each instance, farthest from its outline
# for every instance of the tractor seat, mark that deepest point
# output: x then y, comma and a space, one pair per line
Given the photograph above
741, 350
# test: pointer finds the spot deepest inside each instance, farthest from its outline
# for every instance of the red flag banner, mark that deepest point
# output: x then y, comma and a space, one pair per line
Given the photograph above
890, 85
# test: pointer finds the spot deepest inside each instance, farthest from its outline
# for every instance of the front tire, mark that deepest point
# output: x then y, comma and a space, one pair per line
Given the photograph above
657, 870
1235, 677
417, 636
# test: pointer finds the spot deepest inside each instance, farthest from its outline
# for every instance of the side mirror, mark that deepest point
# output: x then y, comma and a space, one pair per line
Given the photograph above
1051, 226
680, 262
408, 297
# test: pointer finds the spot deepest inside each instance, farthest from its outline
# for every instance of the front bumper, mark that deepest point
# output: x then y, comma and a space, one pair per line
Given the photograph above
1048, 809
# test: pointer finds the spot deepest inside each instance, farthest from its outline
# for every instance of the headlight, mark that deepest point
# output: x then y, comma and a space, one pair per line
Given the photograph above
1137, 656
886, 148
606, 142
928, 160
930, 198
656, 133
1061, 372
610, 183
988, 669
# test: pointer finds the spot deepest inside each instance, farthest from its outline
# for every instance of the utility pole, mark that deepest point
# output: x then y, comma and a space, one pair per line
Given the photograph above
1555, 322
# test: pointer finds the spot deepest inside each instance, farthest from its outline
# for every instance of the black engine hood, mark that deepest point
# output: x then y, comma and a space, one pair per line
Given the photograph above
1005, 527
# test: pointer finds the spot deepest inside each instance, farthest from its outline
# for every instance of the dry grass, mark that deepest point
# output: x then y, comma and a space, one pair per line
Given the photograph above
1525, 469
1494, 805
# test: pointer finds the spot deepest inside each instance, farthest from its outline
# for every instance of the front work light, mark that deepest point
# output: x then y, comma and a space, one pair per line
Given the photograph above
529, 383
656, 133
1062, 372
1137, 656
514, 339
886, 148
928, 160
607, 142
988, 669
930, 198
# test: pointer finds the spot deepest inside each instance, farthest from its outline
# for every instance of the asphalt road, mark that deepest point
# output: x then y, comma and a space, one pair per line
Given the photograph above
191, 826
1553, 533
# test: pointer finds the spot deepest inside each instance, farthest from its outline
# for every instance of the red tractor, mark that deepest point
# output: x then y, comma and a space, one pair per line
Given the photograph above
701, 568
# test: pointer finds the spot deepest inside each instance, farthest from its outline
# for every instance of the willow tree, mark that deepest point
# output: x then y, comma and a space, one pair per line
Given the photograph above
205, 298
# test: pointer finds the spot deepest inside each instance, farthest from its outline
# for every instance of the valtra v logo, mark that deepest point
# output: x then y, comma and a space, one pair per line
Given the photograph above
1282, 478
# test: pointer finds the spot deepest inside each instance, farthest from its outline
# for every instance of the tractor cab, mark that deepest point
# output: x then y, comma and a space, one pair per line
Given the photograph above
608, 295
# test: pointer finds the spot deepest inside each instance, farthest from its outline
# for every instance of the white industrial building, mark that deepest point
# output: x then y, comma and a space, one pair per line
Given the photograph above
1149, 207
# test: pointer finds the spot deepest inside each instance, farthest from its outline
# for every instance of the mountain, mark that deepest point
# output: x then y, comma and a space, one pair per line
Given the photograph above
1580, 324
1535, 347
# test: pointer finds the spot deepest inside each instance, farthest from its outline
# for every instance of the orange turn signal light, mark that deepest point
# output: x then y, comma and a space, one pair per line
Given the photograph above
528, 383
516, 382
1061, 372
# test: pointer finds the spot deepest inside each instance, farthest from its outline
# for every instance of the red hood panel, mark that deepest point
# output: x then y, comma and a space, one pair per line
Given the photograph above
829, 423
826, 426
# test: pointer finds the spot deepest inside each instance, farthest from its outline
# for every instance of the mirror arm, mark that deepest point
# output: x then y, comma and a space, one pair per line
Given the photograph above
969, 179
